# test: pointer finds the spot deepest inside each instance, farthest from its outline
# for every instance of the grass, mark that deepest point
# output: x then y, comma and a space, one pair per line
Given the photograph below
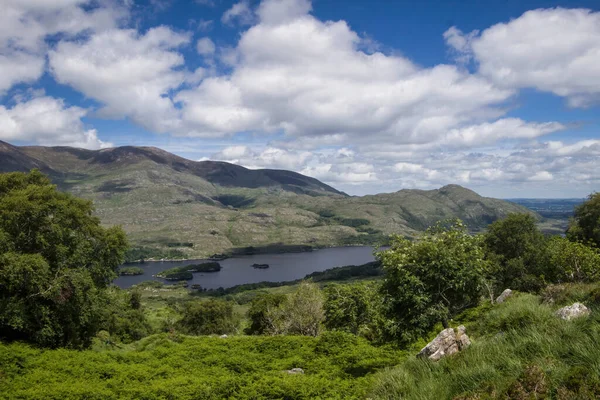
336, 366
520, 350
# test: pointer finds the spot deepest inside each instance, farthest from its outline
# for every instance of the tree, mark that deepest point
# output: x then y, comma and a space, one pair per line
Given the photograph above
208, 317
573, 261
585, 225
431, 279
354, 308
262, 312
56, 260
518, 250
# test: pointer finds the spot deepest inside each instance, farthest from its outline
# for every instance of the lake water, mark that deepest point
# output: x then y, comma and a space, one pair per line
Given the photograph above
238, 270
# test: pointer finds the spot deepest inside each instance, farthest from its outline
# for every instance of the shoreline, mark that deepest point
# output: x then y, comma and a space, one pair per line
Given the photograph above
227, 256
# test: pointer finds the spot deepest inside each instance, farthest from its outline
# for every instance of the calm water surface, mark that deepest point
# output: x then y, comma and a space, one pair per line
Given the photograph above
238, 270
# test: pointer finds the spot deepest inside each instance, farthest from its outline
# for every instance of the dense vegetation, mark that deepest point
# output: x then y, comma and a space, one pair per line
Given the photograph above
57, 262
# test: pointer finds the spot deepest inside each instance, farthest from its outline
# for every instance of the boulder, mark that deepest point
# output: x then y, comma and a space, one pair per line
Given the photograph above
446, 343
295, 371
574, 311
223, 336
505, 295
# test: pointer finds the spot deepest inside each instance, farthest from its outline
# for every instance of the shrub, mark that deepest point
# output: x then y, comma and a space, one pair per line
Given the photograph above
208, 317
573, 261
354, 308
431, 279
519, 251
262, 312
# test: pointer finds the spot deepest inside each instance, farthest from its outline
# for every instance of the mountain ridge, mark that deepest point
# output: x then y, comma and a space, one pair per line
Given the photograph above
204, 207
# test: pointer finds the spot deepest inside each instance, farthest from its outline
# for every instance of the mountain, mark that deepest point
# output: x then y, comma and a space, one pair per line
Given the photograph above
195, 209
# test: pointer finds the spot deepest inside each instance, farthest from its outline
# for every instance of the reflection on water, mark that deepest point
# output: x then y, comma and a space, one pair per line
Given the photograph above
238, 270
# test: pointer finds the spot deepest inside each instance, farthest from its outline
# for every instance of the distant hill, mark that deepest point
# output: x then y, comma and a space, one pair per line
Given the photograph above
195, 209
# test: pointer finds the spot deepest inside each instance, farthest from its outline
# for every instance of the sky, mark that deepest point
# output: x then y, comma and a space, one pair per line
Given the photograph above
502, 97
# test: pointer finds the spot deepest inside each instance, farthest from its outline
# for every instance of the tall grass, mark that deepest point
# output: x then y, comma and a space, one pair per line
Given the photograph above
520, 350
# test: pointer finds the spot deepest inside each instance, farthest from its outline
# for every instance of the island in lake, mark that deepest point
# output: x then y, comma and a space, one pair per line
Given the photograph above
131, 271
186, 273
260, 266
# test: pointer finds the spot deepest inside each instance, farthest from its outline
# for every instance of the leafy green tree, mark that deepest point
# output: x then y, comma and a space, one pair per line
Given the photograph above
431, 279
56, 260
262, 311
208, 317
585, 226
573, 261
518, 251
355, 308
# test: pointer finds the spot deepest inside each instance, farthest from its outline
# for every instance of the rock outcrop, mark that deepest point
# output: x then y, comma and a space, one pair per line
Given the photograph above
574, 311
446, 343
505, 295
295, 371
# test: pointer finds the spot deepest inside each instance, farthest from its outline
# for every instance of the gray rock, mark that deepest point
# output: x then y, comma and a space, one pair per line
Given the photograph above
446, 343
574, 311
505, 295
295, 371
223, 336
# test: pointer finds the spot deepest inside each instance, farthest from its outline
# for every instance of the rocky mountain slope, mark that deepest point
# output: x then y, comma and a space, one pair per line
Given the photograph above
201, 208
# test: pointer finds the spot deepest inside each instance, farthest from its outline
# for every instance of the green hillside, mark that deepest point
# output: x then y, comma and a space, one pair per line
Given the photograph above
164, 201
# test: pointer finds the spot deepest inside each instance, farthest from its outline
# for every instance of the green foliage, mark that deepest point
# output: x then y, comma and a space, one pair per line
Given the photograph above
300, 313
519, 252
127, 271
355, 308
247, 367
55, 263
520, 350
431, 279
261, 313
573, 261
586, 223
208, 317
123, 317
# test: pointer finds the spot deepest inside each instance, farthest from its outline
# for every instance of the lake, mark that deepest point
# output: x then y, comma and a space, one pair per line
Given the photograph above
238, 270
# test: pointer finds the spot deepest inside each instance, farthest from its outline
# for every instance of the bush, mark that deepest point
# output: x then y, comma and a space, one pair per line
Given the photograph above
263, 311
208, 317
519, 251
123, 317
300, 313
431, 279
354, 308
573, 261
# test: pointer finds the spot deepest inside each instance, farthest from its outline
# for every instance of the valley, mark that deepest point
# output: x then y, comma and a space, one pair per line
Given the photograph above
175, 208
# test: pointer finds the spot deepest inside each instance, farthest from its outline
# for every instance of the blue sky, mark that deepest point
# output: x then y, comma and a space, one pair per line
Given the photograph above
502, 97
